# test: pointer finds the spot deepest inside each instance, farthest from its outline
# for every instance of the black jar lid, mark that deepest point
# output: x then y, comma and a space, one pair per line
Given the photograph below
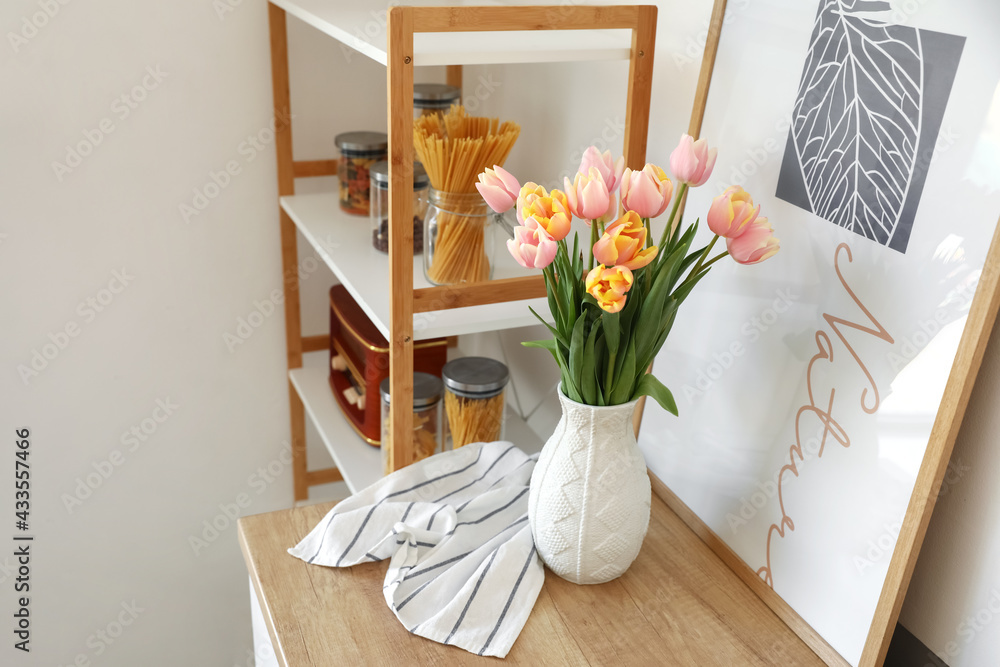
426, 390
362, 142
380, 173
435, 95
475, 377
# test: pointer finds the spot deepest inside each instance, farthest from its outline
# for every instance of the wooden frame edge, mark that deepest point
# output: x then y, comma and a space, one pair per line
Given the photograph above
961, 380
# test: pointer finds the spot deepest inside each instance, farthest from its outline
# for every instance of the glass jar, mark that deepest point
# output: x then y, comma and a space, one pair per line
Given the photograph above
358, 152
380, 205
431, 98
474, 399
428, 434
458, 238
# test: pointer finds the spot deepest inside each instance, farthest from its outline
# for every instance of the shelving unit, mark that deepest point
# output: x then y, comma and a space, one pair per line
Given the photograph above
391, 290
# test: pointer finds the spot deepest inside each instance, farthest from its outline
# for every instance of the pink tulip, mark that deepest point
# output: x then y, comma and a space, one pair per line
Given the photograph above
755, 244
588, 194
692, 161
611, 172
499, 188
532, 247
623, 244
732, 212
646, 192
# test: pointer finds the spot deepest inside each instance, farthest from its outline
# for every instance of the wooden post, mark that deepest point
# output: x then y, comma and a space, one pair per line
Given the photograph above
399, 63
289, 246
640, 87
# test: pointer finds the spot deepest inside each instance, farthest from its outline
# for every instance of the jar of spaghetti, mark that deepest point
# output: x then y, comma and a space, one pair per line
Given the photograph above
380, 205
474, 399
430, 98
427, 425
358, 152
459, 238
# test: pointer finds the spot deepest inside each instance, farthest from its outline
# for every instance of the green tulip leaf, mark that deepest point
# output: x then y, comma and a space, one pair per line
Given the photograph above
649, 386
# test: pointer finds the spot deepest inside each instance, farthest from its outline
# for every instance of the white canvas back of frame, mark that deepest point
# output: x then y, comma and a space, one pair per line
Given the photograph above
738, 359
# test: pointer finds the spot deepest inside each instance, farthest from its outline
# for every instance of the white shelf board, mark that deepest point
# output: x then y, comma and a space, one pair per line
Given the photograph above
360, 25
344, 242
358, 462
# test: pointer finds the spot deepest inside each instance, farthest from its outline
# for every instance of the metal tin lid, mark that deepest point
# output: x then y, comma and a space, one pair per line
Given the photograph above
379, 173
477, 377
426, 390
362, 142
434, 95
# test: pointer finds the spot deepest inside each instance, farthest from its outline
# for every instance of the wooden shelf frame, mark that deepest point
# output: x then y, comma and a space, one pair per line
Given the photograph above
403, 23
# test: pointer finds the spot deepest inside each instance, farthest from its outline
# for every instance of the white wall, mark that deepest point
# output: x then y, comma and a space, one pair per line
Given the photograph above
161, 337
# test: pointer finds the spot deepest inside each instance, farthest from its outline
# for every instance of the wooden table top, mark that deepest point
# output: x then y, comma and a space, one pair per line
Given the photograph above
678, 604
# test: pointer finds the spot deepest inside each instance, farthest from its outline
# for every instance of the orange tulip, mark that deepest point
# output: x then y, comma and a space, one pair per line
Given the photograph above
549, 210
623, 244
609, 286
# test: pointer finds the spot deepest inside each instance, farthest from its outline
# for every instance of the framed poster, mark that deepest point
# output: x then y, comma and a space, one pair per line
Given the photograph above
820, 393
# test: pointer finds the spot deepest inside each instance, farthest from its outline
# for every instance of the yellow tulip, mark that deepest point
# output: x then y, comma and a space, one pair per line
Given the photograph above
609, 286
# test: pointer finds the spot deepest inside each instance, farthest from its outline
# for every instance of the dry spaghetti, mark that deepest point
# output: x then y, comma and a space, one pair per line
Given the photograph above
454, 149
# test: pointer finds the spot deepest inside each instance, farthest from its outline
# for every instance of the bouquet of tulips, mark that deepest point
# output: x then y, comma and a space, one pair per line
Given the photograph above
613, 316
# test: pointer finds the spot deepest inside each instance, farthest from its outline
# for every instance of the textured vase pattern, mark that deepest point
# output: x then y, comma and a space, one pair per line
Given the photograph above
588, 504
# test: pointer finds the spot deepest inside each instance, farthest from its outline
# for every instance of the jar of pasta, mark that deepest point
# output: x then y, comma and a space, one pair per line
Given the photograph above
380, 205
358, 152
427, 426
474, 399
429, 98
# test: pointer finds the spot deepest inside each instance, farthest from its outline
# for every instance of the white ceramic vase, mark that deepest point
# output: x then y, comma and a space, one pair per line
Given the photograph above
588, 504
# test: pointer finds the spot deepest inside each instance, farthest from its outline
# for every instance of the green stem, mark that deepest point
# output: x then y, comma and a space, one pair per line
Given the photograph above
673, 214
714, 260
550, 278
649, 232
701, 260
593, 242
609, 377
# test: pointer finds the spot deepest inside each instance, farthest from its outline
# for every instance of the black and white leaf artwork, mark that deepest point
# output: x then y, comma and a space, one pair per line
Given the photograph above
869, 108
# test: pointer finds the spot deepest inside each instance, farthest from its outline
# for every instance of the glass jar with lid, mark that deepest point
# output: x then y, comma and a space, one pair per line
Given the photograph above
380, 205
428, 434
459, 238
358, 152
474, 399
430, 98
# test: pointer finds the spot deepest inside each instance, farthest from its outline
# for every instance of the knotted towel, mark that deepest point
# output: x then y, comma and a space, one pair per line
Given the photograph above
463, 568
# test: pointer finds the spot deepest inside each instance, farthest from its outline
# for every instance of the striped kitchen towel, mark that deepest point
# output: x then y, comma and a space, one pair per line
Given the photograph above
463, 569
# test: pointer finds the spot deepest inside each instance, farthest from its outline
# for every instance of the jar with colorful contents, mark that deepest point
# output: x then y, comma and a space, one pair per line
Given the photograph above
430, 98
380, 205
474, 399
428, 434
358, 152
